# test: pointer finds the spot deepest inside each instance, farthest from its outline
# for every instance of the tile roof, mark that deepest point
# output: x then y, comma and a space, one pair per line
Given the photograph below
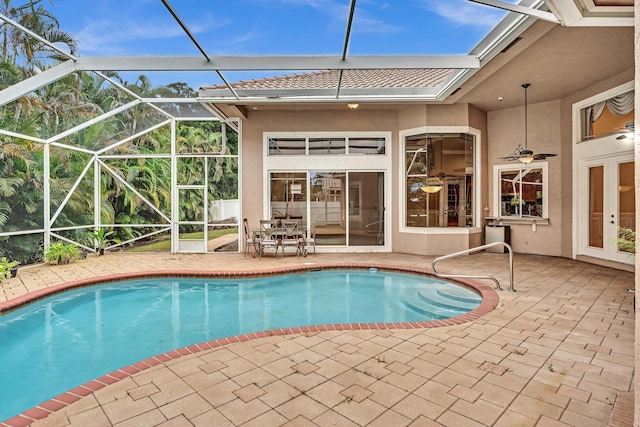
362, 78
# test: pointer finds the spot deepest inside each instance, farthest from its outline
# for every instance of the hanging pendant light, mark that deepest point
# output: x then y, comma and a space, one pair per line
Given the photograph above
526, 155
520, 153
434, 183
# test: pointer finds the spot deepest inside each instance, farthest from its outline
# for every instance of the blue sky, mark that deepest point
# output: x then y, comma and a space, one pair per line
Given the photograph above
272, 27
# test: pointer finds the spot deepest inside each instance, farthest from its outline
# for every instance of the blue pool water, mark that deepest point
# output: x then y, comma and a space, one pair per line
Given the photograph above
56, 344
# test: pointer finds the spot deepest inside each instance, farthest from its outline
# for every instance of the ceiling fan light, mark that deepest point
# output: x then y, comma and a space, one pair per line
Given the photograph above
526, 159
433, 185
431, 188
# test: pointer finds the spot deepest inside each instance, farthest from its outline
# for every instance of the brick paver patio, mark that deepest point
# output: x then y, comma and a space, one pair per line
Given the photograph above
558, 352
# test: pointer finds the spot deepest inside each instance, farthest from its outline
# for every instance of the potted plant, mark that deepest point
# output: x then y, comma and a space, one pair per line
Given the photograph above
7, 268
60, 253
101, 240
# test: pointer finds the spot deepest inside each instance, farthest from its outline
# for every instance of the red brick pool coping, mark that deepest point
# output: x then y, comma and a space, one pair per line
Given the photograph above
490, 300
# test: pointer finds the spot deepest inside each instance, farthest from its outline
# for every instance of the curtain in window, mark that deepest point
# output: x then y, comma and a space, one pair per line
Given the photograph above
618, 105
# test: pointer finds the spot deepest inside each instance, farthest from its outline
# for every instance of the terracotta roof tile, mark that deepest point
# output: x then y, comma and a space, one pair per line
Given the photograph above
364, 78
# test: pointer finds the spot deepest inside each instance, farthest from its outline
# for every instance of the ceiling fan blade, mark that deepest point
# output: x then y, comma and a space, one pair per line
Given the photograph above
542, 156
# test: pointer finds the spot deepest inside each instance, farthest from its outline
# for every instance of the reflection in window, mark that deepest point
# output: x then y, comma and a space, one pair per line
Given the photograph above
614, 116
522, 191
440, 179
366, 145
287, 146
327, 146
288, 195
339, 145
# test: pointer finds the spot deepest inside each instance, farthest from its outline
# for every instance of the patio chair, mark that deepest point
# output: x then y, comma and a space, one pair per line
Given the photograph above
291, 236
250, 240
268, 236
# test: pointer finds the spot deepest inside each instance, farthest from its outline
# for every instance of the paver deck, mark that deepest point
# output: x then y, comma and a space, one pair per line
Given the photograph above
558, 352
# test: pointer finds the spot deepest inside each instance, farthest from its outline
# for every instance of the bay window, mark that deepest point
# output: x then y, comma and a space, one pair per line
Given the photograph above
439, 180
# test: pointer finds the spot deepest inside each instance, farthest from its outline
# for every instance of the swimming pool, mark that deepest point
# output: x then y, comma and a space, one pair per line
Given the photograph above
71, 338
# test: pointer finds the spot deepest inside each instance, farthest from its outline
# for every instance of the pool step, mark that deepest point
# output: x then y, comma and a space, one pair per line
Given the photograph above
457, 298
439, 302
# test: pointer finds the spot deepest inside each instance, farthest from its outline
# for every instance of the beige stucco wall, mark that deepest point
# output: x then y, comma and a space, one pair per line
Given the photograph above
320, 120
434, 243
549, 130
505, 131
391, 119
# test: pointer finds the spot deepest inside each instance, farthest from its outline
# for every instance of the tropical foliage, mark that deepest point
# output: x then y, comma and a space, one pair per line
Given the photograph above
6, 268
626, 240
134, 141
62, 253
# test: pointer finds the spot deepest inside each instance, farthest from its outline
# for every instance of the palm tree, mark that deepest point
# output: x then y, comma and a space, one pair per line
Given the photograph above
39, 20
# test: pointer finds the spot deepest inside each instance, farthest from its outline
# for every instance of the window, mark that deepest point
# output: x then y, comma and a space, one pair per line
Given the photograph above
613, 116
521, 191
333, 145
440, 180
327, 146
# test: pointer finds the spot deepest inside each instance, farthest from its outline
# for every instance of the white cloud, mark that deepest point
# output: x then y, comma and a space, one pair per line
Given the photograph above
463, 12
108, 36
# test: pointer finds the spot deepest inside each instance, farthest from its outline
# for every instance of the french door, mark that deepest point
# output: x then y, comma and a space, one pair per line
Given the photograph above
607, 204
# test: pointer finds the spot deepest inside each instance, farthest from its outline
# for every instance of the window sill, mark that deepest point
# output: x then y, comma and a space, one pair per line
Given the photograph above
515, 221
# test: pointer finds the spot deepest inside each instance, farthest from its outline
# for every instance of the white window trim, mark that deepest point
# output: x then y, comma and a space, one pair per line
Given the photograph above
497, 169
336, 135
403, 180
329, 163
602, 96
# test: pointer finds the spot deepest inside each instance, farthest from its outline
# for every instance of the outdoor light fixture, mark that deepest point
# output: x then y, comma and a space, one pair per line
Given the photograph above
353, 106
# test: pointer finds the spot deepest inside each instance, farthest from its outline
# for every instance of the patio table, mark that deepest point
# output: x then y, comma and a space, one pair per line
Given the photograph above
280, 234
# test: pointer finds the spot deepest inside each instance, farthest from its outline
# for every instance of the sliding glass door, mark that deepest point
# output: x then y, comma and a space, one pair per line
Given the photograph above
327, 209
334, 183
342, 208
366, 208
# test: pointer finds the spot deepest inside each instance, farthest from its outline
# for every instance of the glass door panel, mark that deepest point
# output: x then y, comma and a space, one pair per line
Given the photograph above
327, 214
626, 198
608, 205
366, 208
596, 206
289, 196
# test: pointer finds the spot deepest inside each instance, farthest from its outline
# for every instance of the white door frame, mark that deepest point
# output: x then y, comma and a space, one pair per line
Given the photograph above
587, 153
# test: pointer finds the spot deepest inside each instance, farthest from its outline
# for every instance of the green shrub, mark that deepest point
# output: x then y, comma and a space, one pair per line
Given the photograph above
60, 253
5, 268
100, 238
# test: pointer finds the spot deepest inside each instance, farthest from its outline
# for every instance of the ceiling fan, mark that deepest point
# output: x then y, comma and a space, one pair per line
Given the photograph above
629, 129
524, 154
625, 132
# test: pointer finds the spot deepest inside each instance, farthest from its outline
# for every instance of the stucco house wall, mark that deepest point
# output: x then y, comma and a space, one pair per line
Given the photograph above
549, 130
505, 131
303, 120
